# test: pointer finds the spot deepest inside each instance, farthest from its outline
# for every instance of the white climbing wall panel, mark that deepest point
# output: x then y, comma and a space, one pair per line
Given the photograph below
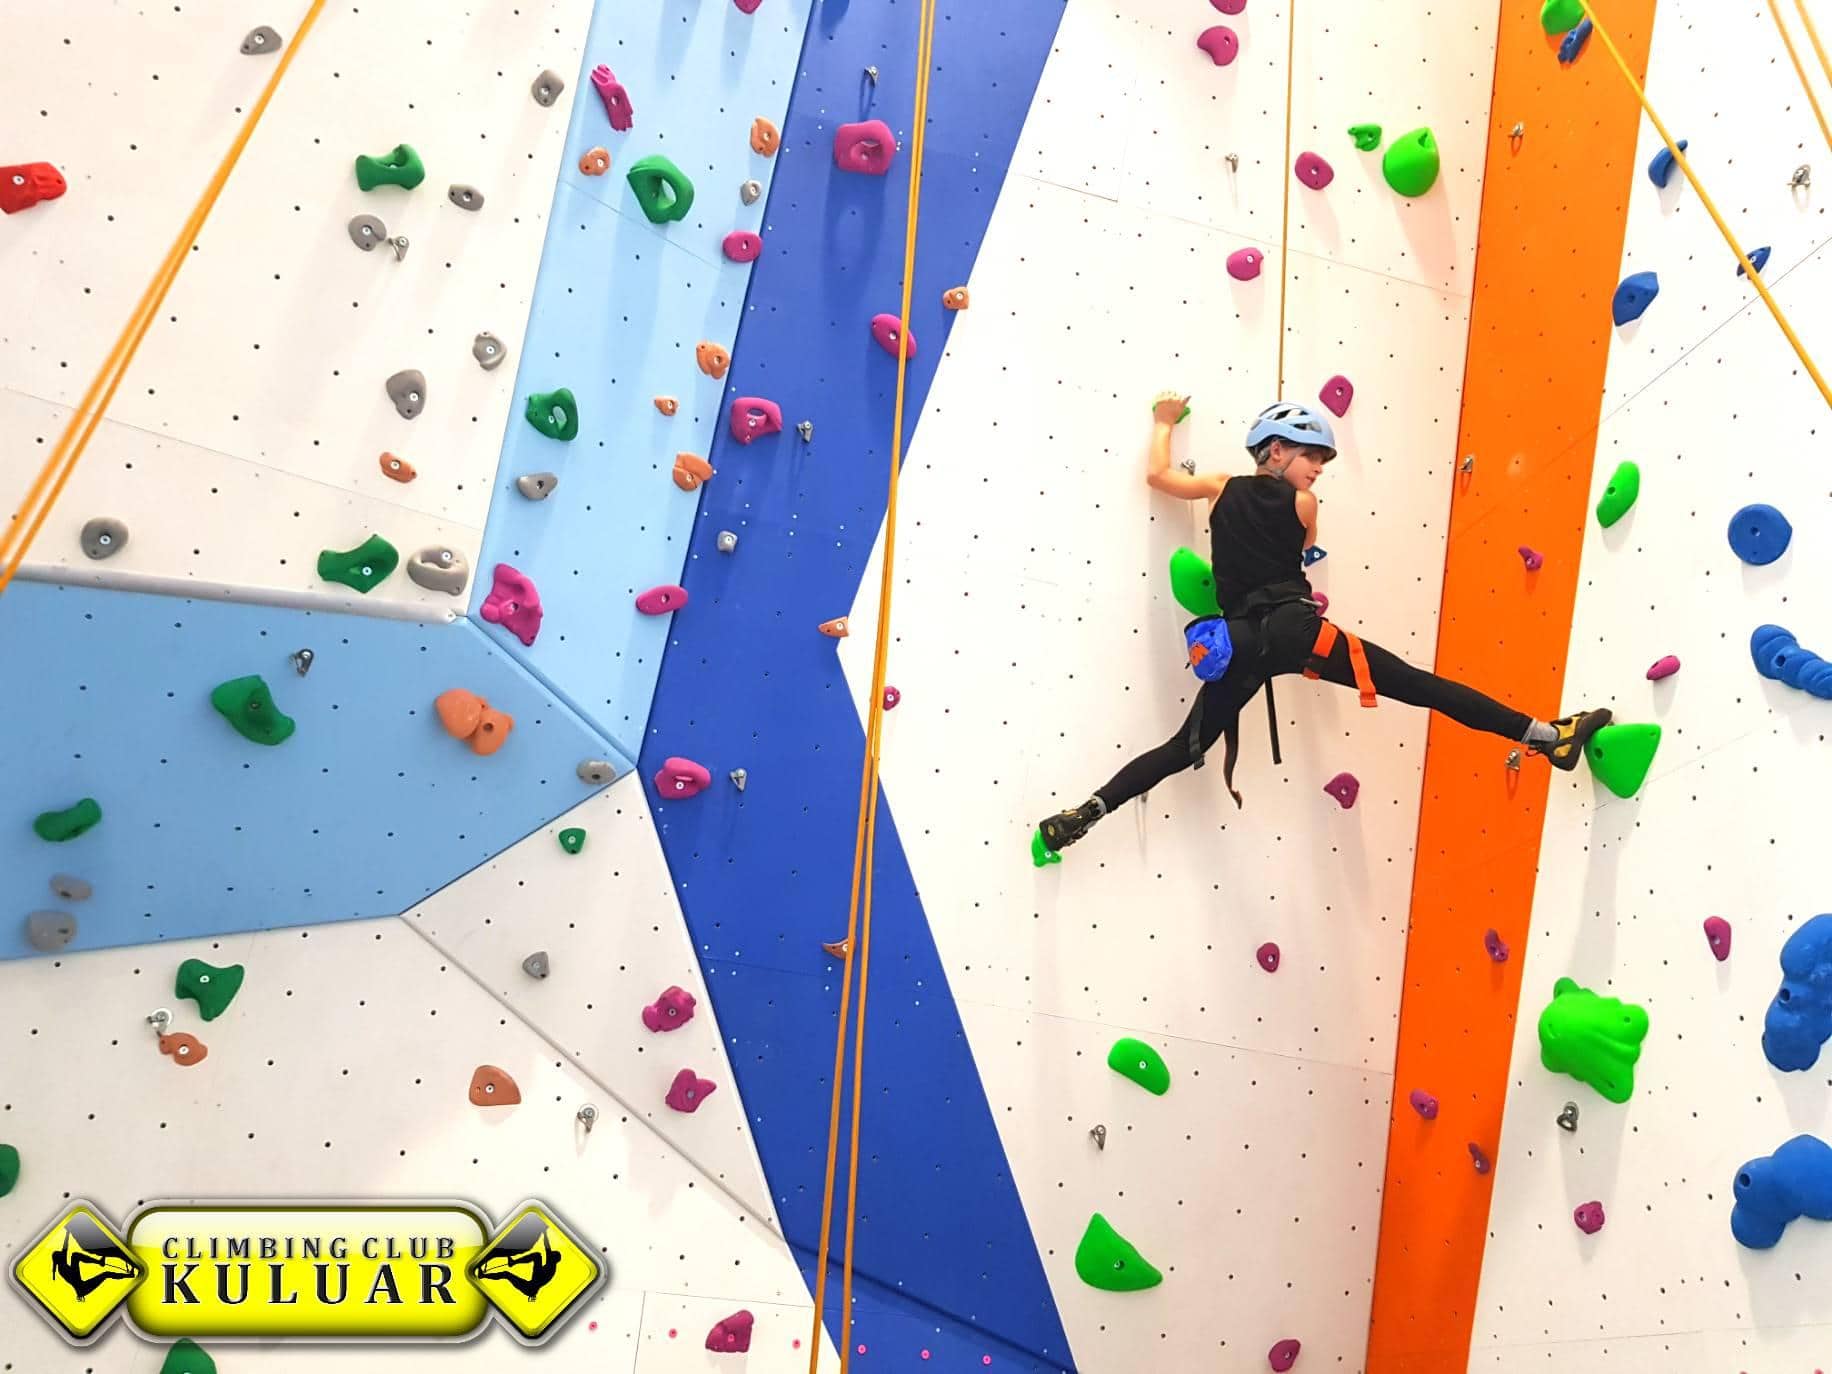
1037, 649
247, 434
340, 1070
1707, 397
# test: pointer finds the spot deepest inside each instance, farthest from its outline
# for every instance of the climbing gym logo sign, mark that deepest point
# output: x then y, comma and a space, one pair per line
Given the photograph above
310, 1272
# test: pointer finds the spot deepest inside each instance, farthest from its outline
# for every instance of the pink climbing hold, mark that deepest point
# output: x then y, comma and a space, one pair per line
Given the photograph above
681, 778
672, 1010
689, 1090
1220, 43
1589, 1217
1337, 392
616, 99
1284, 1355
1423, 1103
732, 1335
661, 600
1322, 602
1478, 1160
1244, 263
1268, 956
891, 697
1717, 931
514, 604
747, 6
884, 329
1532, 558
1496, 946
1665, 667
753, 417
867, 147
1313, 171
1229, 6
741, 245
1344, 787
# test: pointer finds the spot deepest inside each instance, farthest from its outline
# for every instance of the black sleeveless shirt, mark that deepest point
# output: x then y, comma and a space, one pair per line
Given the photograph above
1255, 538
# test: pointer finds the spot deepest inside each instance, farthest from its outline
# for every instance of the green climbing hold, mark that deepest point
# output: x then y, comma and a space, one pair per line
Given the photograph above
661, 188
1041, 854
247, 705
212, 988
1192, 582
9, 1168
1624, 486
400, 166
572, 840
1410, 163
187, 1357
1594, 1039
1106, 1259
554, 413
1366, 136
1138, 1061
361, 567
1560, 16
58, 826
1620, 756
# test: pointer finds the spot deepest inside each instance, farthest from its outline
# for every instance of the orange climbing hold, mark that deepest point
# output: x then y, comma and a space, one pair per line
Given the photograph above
667, 404
491, 1087
492, 731
839, 949
835, 628
712, 359
397, 469
956, 298
468, 717
765, 137
595, 162
184, 1048
690, 470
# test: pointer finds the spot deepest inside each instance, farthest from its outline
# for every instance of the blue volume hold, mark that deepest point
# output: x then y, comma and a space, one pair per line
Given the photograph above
1795, 1181
1314, 555
1574, 42
1660, 167
1635, 295
1759, 534
1800, 1017
1778, 656
1758, 259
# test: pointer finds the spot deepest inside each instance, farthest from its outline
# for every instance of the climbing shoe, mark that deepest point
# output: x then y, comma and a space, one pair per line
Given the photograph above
1065, 827
1574, 733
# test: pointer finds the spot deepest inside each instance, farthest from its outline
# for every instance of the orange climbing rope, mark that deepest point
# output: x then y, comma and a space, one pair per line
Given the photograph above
16, 539
1291, 48
1818, 48
1679, 160
1787, 41
858, 916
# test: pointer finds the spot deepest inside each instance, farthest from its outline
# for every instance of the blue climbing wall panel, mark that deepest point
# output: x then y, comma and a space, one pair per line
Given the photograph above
619, 307
366, 809
943, 1244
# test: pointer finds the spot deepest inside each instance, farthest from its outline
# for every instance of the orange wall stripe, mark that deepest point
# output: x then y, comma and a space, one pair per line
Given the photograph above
1554, 210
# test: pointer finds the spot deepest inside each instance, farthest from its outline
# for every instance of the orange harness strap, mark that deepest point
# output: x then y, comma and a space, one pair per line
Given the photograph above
1358, 660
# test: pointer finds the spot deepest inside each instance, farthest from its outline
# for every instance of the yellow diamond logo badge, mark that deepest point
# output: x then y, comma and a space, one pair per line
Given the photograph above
79, 1272
536, 1273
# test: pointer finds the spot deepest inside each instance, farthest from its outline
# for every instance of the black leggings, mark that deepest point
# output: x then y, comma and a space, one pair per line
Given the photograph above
1278, 643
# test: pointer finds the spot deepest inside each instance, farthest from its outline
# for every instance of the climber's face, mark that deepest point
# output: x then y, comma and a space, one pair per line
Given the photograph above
1298, 464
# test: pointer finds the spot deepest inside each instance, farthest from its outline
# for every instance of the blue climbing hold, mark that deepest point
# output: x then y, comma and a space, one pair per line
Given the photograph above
1800, 1017
1758, 259
1778, 656
1795, 1181
1635, 295
1660, 168
1314, 555
1759, 534
1574, 42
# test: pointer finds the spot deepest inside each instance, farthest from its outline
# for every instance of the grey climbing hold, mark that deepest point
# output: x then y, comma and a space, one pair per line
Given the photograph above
727, 542
399, 244
806, 430
536, 965
1568, 1119
407, 389
546, 88
597, 772
49, 931
302, 660
366, 231
750, 191
488, 350
103, 537
261, 41
1098, 1134
464, 197
439, 569
71, 889
537, 486
739, 777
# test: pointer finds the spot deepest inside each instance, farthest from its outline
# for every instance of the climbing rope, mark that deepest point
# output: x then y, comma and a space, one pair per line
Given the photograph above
859, 913
1818, 48
1679, 160
1291, 48
16, 539
1800, 71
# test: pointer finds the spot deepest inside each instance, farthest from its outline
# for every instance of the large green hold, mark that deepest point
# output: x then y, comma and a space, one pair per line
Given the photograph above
1594, 1039
1410, 163
1620, 756
554, 413
362, 567
1141, 1063
9, 1168
1624, 486
1106, 1259
661, 188
187, 1357
212, 988
248, 705
1560, 16
58, 826
572, 839
1192, 582
400, 166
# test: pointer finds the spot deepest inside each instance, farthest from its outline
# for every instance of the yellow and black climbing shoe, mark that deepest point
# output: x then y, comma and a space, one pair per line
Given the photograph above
1574, 733
1060, 831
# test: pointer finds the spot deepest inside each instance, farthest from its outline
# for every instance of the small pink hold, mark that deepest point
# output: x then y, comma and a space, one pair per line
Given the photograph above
891, 697
1478, 1160
514, 604
662, 600
1717, 931
884, 328
1665, 667
1532, 558
1322, 602
1220, 43
1344, 787
741, 245
1313, 171
747, 6
681, 778
1268, 956
732, 1335
1284, 1355
1423, 1103
689, 1090
752, 417
672, 1010
1337, 392
1229, 6
1589, 1217
1496, 946
616, 99
1244, 263
868, 147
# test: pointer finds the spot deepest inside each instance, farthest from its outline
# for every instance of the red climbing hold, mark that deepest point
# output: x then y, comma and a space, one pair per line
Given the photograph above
1337, 392
1284, 1355
1589, 1217
672, 1010
1532, 558
753, 417
616, 99
688, 1091
1322, 602
681, 778
1229, 6
1664, 667
884, 328
25, 184
184, 1048
1244, 263
1344, 787
1313, 171
1220, 43
747, 6
1268, 956
491, 1087
741, 245
1717, 931
732, 1335
514, 604
867, 147
1423, 1103
891, 697
661, 600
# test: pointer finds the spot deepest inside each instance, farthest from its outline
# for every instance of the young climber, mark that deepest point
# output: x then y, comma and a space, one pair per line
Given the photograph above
1260, 528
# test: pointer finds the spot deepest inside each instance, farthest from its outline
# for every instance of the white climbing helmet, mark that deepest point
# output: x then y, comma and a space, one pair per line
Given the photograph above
1295, 423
